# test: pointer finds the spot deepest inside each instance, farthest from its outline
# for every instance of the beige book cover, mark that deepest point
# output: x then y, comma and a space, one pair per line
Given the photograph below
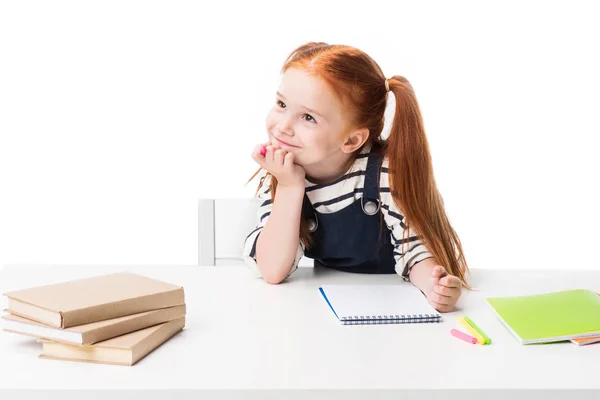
82, 301
95, 331
122, 350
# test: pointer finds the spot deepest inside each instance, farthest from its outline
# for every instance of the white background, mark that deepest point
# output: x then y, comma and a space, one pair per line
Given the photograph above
116, 116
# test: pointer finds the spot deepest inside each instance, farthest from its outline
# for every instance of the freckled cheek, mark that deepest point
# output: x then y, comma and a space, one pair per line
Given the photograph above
318, 145
316, 141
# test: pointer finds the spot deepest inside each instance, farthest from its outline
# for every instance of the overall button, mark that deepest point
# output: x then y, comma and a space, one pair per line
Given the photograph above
312, 225
371, 208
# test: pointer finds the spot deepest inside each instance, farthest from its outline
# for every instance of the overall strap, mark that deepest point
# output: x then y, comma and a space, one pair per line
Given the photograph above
370, 199
308, 213
307, 209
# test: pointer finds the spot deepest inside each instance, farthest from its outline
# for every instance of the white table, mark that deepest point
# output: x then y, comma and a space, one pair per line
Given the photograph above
243, 334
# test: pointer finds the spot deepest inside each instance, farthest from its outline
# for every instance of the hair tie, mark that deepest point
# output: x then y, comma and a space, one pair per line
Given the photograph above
387, 85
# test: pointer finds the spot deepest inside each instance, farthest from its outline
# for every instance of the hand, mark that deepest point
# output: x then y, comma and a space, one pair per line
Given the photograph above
280, 164
445, 291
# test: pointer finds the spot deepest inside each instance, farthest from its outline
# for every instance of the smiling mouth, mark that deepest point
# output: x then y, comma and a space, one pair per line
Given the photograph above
285, 143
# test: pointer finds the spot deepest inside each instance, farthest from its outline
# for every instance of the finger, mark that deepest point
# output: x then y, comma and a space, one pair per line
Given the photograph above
450, 281
438, 272
278, 157
443, 291
441, 307
256, 156
269, 154
265, 144
442, 300
288, 161
447, 296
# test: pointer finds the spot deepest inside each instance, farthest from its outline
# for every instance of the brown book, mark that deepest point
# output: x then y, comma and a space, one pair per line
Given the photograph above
122, 350
99, 298
95, 331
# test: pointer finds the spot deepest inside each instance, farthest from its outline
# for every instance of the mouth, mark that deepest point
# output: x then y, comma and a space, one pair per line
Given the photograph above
285, 143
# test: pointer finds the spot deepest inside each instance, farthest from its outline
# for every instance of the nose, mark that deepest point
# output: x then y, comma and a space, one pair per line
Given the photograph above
285, 126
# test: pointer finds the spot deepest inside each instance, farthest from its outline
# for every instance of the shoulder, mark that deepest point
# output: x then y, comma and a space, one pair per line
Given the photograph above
384, 188
384, 176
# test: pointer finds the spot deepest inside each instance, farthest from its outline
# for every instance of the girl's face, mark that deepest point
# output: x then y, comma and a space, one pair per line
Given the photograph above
307, 118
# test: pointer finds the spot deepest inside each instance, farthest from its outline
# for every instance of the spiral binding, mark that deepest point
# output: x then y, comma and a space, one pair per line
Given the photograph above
390, 319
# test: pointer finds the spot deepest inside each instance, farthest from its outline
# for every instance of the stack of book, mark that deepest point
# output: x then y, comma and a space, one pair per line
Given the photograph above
113, 319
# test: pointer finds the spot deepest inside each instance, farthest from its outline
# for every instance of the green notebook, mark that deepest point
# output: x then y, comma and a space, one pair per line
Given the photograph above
550, 317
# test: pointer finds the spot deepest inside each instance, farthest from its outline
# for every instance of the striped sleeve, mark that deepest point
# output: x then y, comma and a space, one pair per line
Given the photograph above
408, 248
263, 213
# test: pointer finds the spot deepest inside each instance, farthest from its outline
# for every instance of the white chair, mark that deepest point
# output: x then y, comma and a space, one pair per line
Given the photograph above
223, 225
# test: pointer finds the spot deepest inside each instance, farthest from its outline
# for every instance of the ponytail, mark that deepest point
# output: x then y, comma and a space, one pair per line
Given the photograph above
412, 183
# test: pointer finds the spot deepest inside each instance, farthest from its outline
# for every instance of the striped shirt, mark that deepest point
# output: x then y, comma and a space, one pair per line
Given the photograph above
334, 196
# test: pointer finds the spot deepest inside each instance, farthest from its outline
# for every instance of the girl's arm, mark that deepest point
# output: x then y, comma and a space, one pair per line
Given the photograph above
278, 242
409, 250
262, 216
420, 275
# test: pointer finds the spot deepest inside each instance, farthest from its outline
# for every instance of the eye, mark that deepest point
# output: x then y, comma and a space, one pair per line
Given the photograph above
310, 118
280, 104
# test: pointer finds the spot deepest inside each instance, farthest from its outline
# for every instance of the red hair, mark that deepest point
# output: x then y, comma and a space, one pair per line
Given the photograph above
359, 83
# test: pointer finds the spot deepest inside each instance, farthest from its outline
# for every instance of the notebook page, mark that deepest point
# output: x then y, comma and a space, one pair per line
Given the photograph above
374, 300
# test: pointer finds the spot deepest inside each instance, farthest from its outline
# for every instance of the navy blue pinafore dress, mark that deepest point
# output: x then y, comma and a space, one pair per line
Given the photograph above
352, 238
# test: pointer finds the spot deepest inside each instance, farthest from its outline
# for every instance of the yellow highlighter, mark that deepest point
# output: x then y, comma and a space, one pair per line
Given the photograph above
481, 333
472, 332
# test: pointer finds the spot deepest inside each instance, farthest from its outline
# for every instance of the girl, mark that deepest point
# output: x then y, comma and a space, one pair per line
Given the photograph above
336, 191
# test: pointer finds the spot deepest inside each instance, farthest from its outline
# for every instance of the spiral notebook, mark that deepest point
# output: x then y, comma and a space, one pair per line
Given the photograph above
378, 304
